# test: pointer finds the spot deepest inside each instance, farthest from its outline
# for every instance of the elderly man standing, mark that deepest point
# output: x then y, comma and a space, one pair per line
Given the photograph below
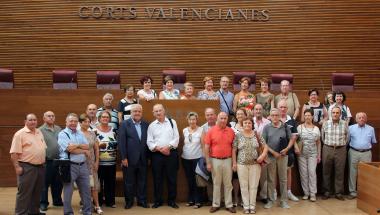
28, 151
163, 138
73, 145
225, 96
107, 105
362, 137
134, 153
335, 135
276, 135
218, 153
291, 99
50, 132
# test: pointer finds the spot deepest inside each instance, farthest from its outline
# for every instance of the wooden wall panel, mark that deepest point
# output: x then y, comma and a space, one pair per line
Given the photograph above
310, 39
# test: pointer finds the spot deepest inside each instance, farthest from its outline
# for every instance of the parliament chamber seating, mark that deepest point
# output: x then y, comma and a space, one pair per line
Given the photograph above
276, 81
342, 82
65, 79
6, 79
108, 80
236, 76
178, 75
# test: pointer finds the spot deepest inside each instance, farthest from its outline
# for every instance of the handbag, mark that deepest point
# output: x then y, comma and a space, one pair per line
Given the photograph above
63, 167
260, 149
284, 141
64, 171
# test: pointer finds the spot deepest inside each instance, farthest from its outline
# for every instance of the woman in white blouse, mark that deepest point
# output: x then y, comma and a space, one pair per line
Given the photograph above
170, 92
146, 93
192, 151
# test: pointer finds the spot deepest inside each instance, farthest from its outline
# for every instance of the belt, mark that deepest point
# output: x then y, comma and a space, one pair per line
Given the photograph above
75, 163
221, 158
360, 150
31, 164
335, 147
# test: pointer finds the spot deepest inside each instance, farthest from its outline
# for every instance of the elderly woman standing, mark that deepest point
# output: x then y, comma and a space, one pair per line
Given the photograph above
208, 93
106, 137
244, 99
146, 93
247, 163
309, 154
265, 98
339, 99
319, 109
92, 160
192, 151
169, 93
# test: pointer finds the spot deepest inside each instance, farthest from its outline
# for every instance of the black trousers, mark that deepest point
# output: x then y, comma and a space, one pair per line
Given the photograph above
132, 175
194, 192
165, 167
107, 180
52, 180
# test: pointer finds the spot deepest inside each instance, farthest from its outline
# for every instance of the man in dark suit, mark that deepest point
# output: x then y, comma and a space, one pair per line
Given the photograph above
134, 150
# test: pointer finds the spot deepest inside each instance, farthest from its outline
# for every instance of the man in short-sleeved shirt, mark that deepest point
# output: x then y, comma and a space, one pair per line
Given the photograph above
50, 132
291, 99
362, 137
218, 152
28, 158
225, 96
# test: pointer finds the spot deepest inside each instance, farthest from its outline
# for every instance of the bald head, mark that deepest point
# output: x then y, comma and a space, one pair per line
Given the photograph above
222, 119
49, 118
285, 86
361, 118
282, 105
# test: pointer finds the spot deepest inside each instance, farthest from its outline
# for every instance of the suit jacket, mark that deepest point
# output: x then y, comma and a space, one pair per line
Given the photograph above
130, 146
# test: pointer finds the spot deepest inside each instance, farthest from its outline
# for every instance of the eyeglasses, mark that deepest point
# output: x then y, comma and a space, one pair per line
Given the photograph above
190, 138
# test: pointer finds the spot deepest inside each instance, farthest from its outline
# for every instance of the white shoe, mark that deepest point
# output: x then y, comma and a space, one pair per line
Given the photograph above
98, 210
268, 205
292, 197
275, 195
284, 205
305, 197
313, 198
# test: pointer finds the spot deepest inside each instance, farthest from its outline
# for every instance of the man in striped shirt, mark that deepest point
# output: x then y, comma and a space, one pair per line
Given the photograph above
335, 135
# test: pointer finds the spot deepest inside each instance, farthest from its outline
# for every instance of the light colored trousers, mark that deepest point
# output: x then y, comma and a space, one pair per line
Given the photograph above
278, 166
354, 157
307, 165
249, 176
221, 174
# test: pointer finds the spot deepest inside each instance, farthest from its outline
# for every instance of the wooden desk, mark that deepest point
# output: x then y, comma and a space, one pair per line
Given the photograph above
369, 187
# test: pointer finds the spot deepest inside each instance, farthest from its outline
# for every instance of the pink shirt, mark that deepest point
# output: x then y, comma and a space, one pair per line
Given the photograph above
31, 146
259, 125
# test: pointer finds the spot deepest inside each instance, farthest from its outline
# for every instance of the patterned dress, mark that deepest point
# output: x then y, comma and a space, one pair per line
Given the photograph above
247, 102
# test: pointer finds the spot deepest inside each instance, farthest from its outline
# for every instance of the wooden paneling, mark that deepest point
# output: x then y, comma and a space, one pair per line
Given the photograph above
368, 189
309, 39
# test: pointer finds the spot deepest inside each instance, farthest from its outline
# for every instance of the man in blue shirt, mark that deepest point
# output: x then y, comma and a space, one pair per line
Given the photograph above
73, 145
362, 136
225, 96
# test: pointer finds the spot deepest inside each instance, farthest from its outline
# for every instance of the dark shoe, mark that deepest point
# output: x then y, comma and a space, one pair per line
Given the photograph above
231, 210
143, 205
214, 209
190, 204
173, 205
128, 205
59, 204
264, 201
326, 196
208, 203
339, 197
157, 205
43, 207
197, 205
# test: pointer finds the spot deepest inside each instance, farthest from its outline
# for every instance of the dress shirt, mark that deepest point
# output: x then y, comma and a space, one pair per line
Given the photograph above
229, 97
259, 125
31, 146
73, 137
162, 134
362, 138
335, 134
138, 127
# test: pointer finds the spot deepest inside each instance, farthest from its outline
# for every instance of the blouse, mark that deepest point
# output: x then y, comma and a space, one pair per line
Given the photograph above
246, 149
171, 95
148, 96
107, 147
247, 102
318, 111
309, 137
192, 147
203, 95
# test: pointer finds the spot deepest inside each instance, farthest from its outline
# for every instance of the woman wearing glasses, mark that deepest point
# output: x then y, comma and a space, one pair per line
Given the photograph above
191, 153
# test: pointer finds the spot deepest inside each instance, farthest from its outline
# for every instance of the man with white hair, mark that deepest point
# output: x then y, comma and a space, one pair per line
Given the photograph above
74, 146
362, 137
107, 105
291, 99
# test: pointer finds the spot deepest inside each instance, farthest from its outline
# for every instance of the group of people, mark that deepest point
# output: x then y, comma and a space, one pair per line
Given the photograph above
246, 145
